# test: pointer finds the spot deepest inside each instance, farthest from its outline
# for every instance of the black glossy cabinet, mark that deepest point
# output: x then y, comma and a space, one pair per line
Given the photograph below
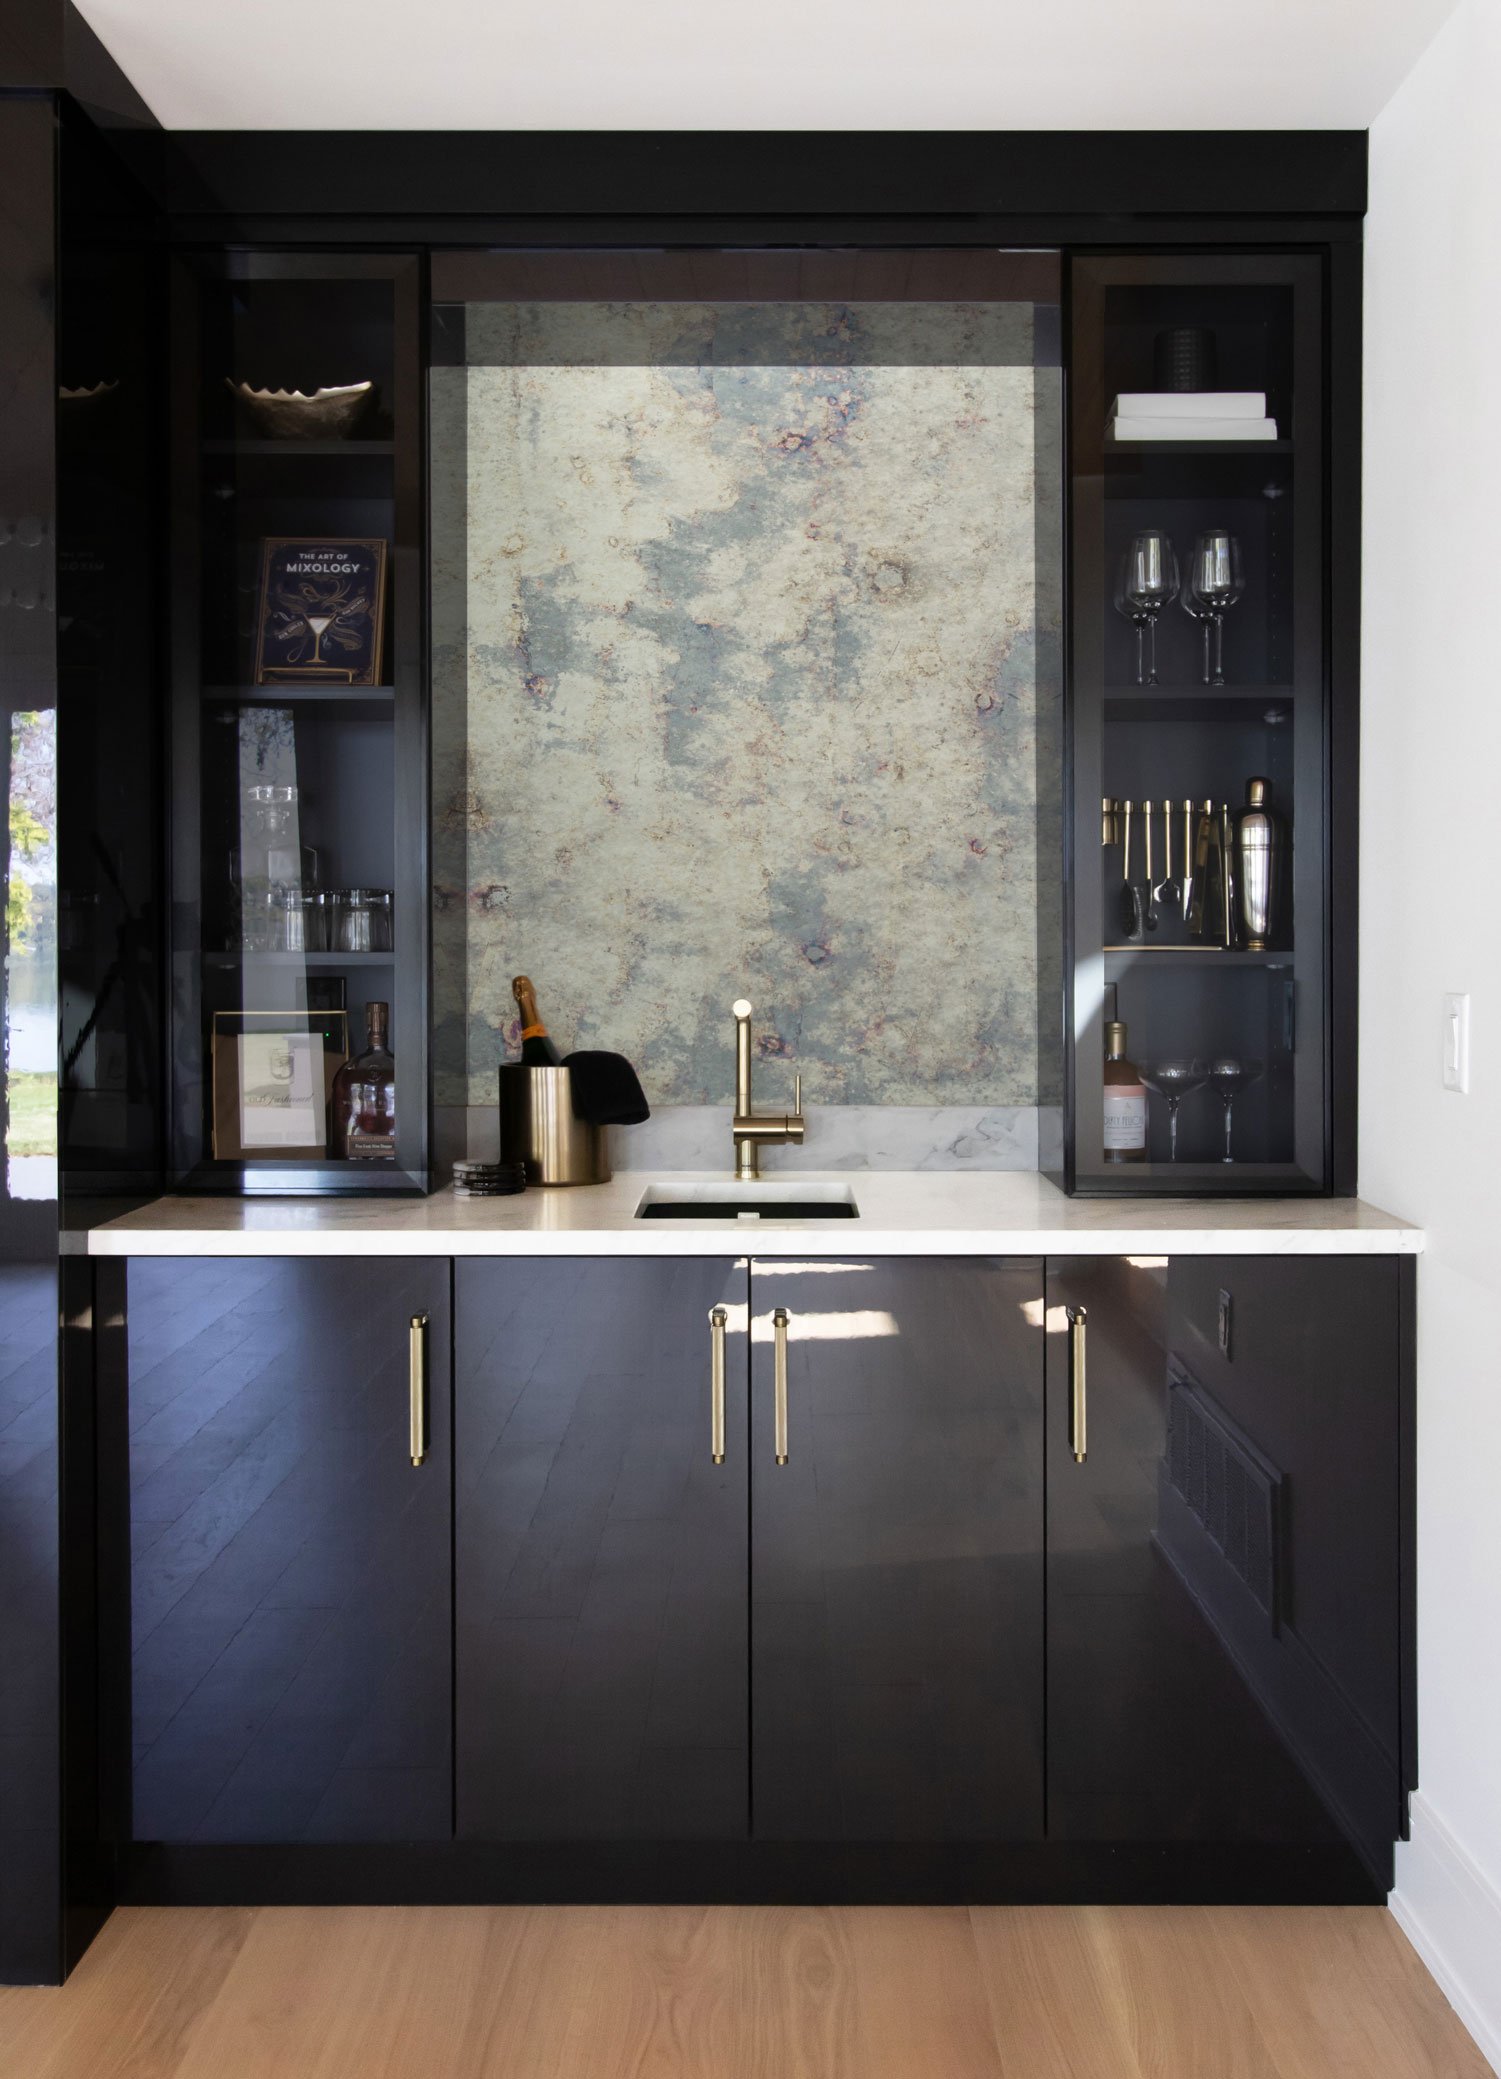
1224, 1560
776, 1578
291, 1616
602, 1679
896, 1574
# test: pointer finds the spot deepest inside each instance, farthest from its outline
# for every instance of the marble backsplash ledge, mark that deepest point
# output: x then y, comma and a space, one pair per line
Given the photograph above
840, 1137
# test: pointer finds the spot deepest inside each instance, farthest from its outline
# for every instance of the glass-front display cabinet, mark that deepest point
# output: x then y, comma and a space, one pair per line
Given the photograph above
1197, 901
299, 760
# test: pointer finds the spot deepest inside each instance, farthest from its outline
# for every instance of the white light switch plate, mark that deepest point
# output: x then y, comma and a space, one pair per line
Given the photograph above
1457, 1041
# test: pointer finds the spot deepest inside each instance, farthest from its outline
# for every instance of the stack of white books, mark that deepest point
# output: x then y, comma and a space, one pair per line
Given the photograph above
1190, 415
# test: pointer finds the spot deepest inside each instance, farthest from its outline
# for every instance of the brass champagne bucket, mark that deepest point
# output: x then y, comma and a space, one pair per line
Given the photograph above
538, 1128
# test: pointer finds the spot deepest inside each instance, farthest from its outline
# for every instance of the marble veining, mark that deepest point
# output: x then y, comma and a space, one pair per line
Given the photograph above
743, 612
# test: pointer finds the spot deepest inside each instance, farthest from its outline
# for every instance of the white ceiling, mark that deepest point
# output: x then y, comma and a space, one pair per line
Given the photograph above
766, 64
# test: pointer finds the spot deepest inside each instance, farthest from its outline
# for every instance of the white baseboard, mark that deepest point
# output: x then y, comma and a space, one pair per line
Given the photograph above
1451, 1914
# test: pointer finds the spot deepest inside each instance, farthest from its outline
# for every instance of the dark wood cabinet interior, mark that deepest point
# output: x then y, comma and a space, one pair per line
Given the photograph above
290, 1663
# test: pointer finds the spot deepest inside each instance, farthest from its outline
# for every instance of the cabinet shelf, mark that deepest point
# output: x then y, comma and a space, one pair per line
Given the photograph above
1116, 450
321, 961
1195, 956
301, 450
1210, 696
278, 696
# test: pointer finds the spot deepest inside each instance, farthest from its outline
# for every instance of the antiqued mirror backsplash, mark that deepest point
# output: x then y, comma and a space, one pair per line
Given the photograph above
746, 683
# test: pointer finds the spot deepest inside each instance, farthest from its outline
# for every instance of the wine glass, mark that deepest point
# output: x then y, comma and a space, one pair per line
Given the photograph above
1173, 1081
1229, 1078
1215, 581
1148, 581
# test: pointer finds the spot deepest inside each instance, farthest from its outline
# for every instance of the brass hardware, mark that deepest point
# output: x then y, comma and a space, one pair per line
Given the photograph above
779, 1371
417, 1385
718, 1320
748, 1130
1078, 1385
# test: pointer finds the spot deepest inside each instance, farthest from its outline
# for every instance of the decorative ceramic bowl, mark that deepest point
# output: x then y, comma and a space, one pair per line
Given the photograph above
330, 414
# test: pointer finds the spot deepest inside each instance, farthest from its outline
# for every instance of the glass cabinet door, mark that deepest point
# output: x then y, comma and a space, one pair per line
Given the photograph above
300, 927
1198, 909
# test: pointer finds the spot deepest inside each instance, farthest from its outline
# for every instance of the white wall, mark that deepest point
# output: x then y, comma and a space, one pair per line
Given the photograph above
1430, 902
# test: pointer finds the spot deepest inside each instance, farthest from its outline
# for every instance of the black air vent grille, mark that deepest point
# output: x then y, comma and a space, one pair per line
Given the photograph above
1233, 1491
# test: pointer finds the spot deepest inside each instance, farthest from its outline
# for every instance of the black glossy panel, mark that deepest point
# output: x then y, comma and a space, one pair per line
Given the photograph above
111, 566
1177, 1707
897, 1556
29, 1856
601, 1587
291, 1633
30, 1849
1313, 1371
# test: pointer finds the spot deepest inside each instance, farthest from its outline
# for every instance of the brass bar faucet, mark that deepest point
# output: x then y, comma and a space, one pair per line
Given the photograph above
750, 1132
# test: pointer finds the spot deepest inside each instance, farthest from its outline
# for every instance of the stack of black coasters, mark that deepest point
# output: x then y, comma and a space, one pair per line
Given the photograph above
488, 1179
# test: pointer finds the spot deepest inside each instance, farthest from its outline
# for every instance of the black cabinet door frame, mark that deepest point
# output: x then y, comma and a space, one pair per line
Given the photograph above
601, 1662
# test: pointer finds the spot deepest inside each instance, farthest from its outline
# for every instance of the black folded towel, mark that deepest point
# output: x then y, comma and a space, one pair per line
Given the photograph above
606, 1089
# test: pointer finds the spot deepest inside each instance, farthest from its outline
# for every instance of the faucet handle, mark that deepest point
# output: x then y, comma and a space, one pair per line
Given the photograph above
797, 1095
740, 1010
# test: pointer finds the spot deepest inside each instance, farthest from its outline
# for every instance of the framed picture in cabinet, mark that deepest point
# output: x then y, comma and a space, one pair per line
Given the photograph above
273, 1074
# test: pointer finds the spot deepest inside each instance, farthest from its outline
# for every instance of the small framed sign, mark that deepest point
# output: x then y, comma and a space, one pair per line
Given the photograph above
273, 1075
322, 611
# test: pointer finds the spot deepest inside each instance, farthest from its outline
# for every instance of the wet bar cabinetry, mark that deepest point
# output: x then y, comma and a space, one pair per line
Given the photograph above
299, 731
1227, 1628
602, 1681
896, 1551
1231, 1011
832, 1635
290, 1655
772, 1578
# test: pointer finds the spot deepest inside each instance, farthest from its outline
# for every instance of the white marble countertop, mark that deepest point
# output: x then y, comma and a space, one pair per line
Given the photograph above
926, 1213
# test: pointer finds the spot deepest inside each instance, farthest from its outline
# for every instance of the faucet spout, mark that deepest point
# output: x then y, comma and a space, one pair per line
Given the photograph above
749, 1129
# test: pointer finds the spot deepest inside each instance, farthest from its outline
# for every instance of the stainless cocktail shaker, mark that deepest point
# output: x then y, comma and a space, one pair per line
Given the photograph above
1260, 866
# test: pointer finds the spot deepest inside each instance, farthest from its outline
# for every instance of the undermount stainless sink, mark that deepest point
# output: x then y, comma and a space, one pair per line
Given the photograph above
736, 1200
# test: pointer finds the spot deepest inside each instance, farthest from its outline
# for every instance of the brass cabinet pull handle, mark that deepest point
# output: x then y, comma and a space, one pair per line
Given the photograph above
417, 1384
779, 1373
1078, 1385
718, 1320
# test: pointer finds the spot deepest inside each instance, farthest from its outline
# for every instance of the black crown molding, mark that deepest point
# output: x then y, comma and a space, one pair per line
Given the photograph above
431, 179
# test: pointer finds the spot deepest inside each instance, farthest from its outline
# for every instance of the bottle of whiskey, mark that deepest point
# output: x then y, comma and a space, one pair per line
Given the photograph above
537, 1050
1125, 1101
364, 1099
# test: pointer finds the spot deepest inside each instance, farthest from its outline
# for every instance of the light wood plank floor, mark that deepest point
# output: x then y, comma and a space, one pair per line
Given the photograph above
742, 1993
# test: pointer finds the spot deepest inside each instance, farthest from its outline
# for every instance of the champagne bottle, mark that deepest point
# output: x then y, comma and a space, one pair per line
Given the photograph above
537, 1050
1125, 1101
364, 1096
